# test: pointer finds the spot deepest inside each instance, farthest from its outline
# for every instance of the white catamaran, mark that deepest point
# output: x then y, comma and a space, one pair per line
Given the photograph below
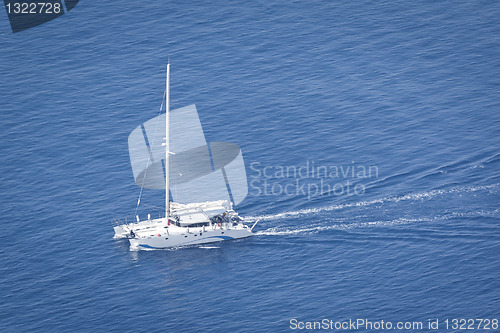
205, 177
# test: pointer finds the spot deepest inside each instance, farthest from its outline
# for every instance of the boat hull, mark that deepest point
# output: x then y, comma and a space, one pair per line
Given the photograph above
187, 237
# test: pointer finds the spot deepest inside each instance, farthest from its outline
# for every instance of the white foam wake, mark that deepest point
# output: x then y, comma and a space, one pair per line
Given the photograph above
409, 196
285, 230
280, 231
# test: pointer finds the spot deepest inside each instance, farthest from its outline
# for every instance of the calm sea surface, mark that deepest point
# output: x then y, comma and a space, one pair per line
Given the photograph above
405, 94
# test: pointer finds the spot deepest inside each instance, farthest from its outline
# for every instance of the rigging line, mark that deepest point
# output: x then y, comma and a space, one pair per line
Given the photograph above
149, 157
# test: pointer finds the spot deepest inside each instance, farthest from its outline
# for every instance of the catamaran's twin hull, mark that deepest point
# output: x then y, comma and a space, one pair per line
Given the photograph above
193, 237
160, 234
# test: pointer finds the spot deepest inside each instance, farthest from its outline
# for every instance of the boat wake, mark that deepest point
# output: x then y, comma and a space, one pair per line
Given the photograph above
286, 230
407, 197
280, 231
360, 219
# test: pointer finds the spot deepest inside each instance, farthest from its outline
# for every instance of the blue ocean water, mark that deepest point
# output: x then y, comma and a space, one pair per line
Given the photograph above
409, 89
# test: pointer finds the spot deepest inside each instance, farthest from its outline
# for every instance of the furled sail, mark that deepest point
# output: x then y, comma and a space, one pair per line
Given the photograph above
199, 172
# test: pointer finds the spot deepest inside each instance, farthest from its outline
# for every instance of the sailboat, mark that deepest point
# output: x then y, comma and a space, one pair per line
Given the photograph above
207, 179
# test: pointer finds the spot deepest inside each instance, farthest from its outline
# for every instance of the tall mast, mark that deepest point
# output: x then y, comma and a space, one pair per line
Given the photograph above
167, 147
